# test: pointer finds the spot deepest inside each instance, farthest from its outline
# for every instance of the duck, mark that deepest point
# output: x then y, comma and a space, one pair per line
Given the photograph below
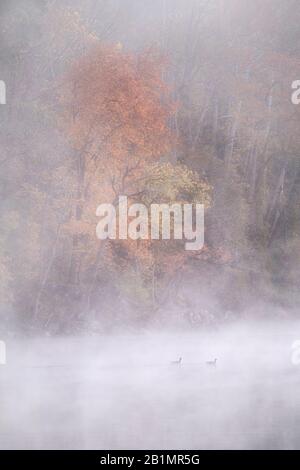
177, 362
212, 363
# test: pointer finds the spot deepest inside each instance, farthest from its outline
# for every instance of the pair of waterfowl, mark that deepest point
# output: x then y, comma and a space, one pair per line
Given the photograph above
208, 363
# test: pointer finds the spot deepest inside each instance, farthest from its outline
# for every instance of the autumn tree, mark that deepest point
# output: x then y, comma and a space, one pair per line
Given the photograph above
116, 111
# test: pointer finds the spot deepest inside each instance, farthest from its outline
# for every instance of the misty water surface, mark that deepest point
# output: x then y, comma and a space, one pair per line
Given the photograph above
122, 392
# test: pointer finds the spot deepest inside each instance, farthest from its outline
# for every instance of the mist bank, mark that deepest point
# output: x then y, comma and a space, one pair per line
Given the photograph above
121, 391
128, 319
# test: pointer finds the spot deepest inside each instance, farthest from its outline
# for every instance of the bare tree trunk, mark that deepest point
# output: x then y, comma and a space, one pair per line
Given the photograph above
46, 275
234, 128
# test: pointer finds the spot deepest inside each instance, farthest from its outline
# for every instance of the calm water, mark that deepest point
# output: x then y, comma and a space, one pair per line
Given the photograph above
122, 391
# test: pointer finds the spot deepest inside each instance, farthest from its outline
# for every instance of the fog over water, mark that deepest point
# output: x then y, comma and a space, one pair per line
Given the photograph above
123, 392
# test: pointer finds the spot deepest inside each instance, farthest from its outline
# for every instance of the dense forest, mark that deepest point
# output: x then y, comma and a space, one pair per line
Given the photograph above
162, 101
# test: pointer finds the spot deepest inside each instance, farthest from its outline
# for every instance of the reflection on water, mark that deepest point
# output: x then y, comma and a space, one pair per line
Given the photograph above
123, 392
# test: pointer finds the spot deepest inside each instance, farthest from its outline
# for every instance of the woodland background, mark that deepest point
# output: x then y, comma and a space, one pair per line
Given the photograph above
164, 101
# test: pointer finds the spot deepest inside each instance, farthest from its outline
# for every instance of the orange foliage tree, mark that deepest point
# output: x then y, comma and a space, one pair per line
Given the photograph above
116, 111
